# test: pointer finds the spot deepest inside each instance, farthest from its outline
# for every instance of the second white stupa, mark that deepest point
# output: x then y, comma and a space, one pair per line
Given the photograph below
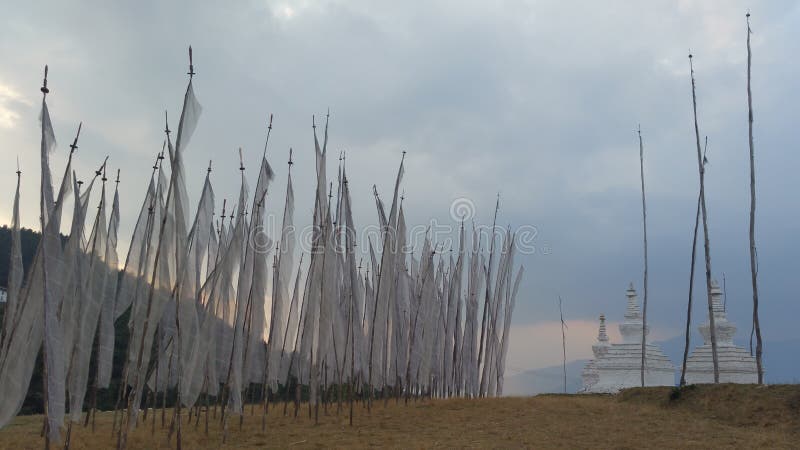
736, 365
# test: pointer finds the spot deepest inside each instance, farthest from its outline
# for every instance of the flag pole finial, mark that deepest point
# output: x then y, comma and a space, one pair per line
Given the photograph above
269, 131
18, 171
102, 170
74, 145
44, 88
191, 71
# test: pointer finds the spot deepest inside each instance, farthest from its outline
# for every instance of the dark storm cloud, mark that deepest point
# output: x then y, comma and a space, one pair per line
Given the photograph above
535, 100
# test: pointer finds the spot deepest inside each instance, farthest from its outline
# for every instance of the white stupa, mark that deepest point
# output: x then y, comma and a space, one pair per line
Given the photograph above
618, 366
736, 365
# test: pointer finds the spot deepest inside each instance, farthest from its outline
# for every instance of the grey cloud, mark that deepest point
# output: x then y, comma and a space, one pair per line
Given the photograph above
535, 100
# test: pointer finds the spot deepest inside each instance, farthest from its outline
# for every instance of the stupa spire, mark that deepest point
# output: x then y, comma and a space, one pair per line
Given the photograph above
725, 329
631, 328
601, 347
633, 312
716, 300
601, 335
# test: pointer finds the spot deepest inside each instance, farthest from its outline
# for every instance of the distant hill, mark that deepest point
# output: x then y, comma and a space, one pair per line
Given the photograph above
545, 380
29, 240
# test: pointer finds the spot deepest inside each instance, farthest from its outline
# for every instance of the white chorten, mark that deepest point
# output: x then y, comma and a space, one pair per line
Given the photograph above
736, 365
618, 366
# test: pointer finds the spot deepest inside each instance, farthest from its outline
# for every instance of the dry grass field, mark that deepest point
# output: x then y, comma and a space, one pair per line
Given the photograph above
723, 416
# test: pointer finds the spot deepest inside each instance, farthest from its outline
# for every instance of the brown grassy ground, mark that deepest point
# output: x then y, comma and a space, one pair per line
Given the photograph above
703, 417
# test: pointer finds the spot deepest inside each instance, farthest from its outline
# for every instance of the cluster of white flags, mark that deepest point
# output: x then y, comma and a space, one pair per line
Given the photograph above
217, 310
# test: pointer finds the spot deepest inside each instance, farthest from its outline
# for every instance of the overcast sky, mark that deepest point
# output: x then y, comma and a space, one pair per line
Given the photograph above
537, 101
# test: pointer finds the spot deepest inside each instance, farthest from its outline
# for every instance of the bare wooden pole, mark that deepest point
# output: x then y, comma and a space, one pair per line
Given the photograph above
644, 227
164, 394
205, 397
352, 338
90, 413
707, 244
563, 342
178, 384
298, 333
227, 386
753, 251
275, 293
349, 248
248, 321
691, 282
177, 349
43, 209
691, 288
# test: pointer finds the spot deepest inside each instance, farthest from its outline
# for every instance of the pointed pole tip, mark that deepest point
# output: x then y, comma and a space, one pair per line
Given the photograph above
74, 145
191, 72
44, 88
